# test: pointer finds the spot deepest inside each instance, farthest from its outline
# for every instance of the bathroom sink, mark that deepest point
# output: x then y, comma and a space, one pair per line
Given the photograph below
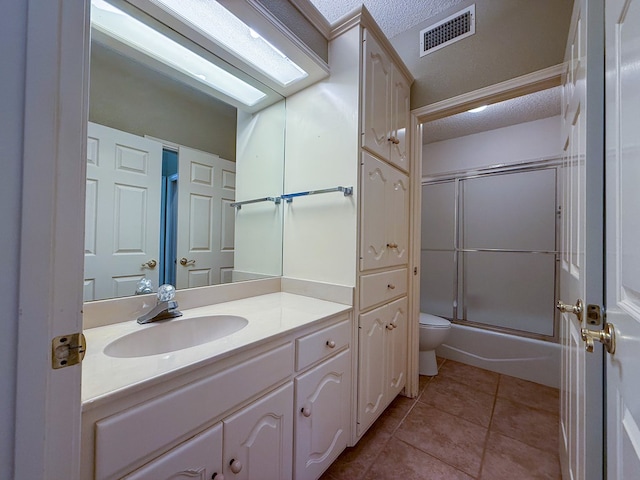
172, 335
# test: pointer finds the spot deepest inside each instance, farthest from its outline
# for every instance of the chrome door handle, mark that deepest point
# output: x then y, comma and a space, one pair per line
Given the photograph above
576, 309
185, 263
606, 336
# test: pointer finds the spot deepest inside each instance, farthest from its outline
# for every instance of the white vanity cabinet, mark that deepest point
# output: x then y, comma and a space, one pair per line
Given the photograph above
384, 215
199, 458
238, 418
258, 440
382, 359
322, 402
385, 105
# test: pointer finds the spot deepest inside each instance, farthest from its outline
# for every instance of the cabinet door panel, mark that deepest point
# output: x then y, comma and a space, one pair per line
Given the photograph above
375, 105
397, 216
322, 415
373, 235
371, 380
198, 458
258, 440
400, 110
397, 348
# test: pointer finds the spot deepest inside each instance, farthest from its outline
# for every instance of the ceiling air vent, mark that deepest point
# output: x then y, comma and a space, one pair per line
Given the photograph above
450, 30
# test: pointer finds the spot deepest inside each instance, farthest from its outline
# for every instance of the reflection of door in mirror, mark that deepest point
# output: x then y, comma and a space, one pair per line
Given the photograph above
122, 219
134, 231
206, 189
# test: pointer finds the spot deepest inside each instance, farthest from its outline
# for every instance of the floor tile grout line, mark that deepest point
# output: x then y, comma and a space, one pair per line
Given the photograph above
434, 456
486, 439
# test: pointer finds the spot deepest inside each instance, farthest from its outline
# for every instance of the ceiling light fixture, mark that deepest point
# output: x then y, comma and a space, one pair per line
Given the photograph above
136, 34
228, 31
478, 109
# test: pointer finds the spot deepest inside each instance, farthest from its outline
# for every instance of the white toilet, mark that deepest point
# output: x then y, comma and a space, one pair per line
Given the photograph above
433, 331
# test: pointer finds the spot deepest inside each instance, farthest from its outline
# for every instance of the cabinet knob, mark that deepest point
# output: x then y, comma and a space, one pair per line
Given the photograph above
331, 344
235, 465
306, 411
391, 286
392, 245
217, 476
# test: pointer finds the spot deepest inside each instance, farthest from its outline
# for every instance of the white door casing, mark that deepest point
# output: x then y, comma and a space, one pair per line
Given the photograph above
581, 259
205, 239
47, 407
623, 237
122, 216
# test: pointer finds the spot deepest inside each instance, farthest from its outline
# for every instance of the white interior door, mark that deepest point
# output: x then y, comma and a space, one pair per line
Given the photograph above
122, 216
206, 188
581, 260
623, 237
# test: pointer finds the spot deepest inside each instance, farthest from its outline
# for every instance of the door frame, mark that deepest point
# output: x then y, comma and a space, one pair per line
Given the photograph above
48, 406
523, 85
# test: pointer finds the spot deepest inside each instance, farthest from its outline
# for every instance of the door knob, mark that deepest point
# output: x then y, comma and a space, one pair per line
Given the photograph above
150, 264
576, 309
185, 263
606, 336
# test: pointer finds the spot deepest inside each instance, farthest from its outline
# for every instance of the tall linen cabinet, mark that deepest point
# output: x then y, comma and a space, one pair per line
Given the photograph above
352, 130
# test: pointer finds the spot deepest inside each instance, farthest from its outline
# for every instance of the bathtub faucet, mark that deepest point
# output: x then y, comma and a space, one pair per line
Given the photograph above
165, 308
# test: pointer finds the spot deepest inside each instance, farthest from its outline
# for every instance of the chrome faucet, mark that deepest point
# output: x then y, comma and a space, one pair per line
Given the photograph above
166, 307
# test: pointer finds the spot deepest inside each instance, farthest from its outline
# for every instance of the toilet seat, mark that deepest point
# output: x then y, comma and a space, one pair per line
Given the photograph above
433, 321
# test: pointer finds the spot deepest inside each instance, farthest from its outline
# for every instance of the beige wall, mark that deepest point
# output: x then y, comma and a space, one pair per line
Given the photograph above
513, 38
131, 98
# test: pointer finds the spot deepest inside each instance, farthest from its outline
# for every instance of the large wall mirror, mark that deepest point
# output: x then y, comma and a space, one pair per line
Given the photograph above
168, 155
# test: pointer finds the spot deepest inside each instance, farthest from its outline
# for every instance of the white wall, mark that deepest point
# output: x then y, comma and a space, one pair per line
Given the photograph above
259, 171
13, 33
517, 143
321, 152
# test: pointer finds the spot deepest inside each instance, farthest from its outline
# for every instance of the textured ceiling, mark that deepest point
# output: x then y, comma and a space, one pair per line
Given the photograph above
527, 108
393, 16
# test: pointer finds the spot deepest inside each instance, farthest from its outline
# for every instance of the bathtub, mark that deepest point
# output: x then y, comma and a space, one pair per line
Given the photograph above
526, 358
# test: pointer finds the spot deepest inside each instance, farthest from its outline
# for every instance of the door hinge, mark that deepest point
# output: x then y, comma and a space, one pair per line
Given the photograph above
594, 314
67, 350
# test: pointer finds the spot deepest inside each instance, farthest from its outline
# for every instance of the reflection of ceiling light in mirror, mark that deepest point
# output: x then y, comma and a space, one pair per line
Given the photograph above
478, 109
123, 27
224, 28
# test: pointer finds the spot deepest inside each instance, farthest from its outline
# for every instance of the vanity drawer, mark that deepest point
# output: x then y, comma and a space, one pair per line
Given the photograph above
378, 288
322, 344
126, 438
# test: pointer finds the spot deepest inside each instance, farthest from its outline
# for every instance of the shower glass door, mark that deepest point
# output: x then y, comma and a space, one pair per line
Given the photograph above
489, 250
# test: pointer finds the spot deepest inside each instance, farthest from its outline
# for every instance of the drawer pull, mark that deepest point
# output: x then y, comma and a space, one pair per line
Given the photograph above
235, 465
392, 245
306, 411
217, 476
331, 344
391, 286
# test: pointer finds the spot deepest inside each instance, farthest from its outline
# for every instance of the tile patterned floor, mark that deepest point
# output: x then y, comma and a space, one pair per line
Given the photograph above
466, 424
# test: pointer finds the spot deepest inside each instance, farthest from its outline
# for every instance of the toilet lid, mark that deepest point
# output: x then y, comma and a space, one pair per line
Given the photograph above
433, 321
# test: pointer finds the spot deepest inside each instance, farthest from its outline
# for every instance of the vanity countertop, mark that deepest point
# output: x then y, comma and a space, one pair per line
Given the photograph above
269, 316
